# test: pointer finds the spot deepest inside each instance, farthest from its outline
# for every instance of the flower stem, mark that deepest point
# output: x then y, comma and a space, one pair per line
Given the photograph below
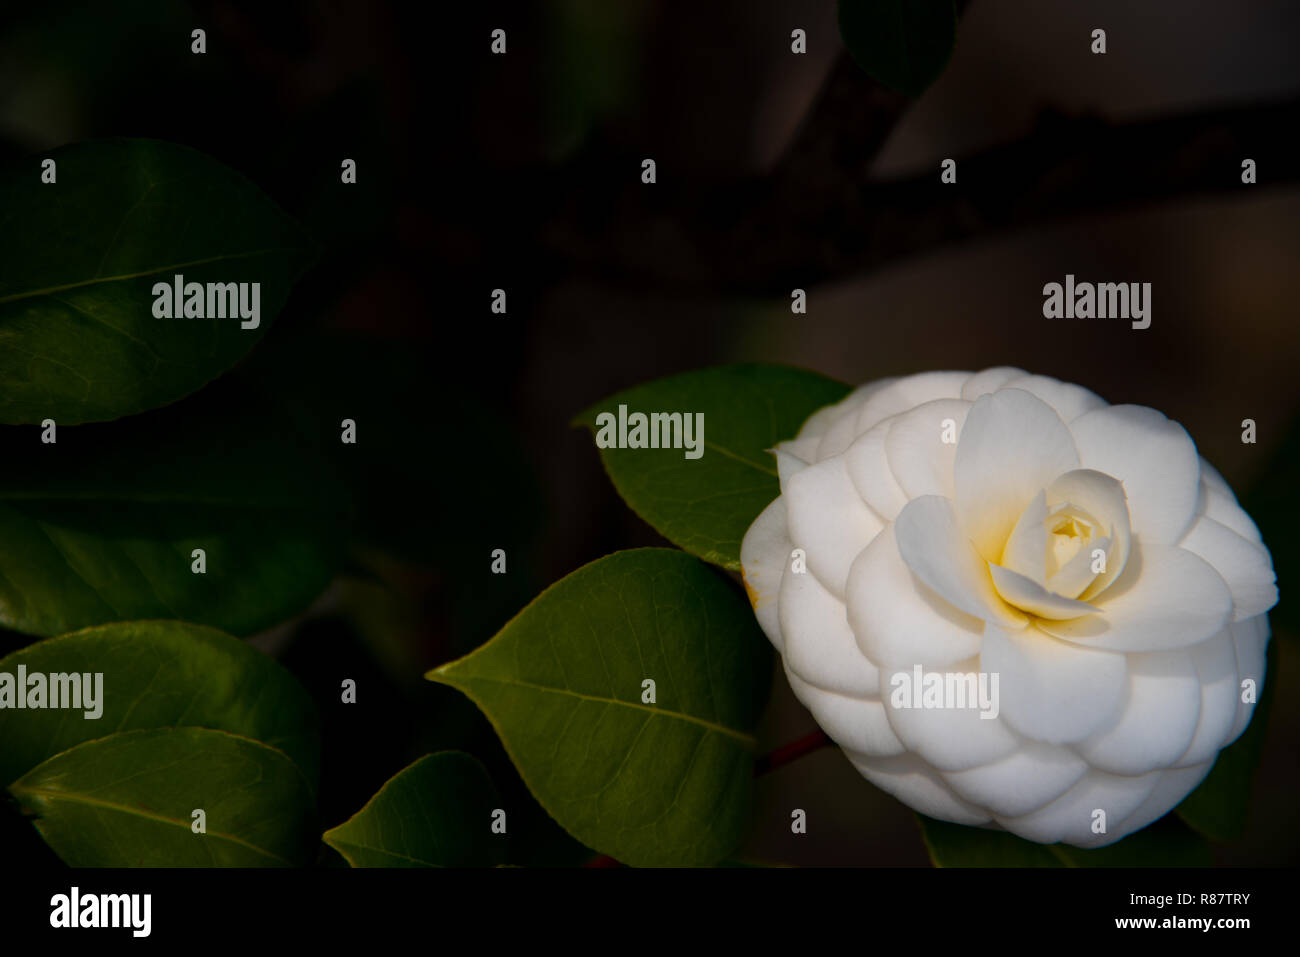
790, 752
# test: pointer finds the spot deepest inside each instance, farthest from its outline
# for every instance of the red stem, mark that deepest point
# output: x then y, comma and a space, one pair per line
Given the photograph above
790, 752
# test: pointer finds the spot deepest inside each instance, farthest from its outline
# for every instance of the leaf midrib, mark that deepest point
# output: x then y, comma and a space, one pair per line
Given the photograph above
747, 740
74, 797
98, 280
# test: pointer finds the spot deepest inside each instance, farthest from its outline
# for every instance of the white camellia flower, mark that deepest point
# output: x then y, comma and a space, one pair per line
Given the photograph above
1017, 527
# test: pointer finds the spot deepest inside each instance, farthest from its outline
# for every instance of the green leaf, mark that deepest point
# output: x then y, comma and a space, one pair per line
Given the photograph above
904, 44
706, 505
435, 813
955, 845
102, 525
1166, 843
662, 783
79, 259
1271, 503
127, 801
159, 674
1218, 807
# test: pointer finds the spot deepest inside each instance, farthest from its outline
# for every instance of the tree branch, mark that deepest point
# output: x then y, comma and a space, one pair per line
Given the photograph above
819, 218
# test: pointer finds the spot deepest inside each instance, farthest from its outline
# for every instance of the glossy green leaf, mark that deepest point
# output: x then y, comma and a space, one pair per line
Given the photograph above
904, 44
79, 259
705, 505
1271, 503
127, 800
955, 845
435, 813
102, 526
1166, 843
159, 674
666, 782
1219, 806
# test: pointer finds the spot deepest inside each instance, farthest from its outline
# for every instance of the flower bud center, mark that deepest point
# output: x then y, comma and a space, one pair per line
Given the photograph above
1070, 529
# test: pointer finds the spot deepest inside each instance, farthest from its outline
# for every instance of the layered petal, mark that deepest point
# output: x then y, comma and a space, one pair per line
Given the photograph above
1053, 691
1103, 497
852, 723
1026, 779
1167, 598
1073, 816
898, 620
1026, 548
1068, 400
1216, 668
829, 520
820, 647
1157, 721
1245, 566
1173, 785
1250, 639
764, 556
869, 469
921, 445
937, 551
907, 393
908, 778
1029, 596
1153, 457
955, 736
989, 380
1012, 445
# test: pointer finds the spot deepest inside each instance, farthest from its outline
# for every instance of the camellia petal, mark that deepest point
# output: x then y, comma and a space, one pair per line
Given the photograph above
1068, 400
989, 381
1170, 789
898, 620
821, 648
1250, 638
919, 786
1216, 668
1103, 497
1223, 508
1245, 566
1012, 446
828, 519
853, 723
1025, 780
764, 556
1077, 575
1167, 598
935, 549
907, 393
1026, 549
1158, 720
1080, 562
1072, 817
1155, 460
952, 738
1053, 691
869, 469
820, 422
1029, 596
921, 444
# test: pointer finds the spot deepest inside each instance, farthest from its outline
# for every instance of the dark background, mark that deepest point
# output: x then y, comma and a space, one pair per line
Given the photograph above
774, 171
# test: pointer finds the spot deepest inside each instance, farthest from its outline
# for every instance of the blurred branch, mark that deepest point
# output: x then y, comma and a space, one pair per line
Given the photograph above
818, 217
